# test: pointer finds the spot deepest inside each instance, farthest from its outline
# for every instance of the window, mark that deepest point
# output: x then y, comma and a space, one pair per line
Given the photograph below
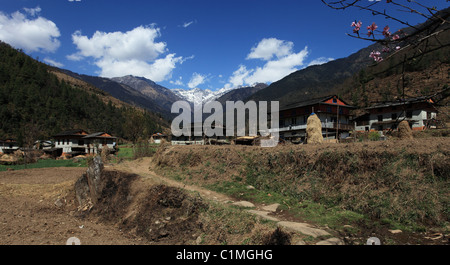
394, 116
329, 109
334, 100
294, 121
380, 117
409, 114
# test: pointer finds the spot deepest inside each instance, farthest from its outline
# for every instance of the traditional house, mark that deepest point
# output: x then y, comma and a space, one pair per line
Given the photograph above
332, 111
419, 112
8, 146
157, 138
71, 142
203, 139
97, 141
78, 142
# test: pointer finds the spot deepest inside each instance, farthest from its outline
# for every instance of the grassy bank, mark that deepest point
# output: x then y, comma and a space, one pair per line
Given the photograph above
399, 184
45, 163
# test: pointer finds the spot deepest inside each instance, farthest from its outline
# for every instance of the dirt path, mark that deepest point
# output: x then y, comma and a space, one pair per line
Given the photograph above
141, 167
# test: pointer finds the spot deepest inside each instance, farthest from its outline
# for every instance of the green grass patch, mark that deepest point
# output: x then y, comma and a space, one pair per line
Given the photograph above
125, 153
333, 217
46, 164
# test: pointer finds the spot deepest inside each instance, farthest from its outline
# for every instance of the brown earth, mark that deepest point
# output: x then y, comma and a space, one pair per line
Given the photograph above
37, 207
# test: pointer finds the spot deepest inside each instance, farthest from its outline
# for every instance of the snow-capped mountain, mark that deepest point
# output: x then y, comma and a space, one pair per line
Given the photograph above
200, 96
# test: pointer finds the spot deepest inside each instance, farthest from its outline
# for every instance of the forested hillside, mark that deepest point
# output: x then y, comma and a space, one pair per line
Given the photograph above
35, 104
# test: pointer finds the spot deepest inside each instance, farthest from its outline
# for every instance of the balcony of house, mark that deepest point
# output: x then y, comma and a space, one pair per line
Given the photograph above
325, 125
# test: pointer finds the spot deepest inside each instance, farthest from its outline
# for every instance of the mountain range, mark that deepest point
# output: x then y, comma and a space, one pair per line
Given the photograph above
116, 104
145, 93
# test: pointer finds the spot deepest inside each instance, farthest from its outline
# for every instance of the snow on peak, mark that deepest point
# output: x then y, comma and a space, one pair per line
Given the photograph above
200, 96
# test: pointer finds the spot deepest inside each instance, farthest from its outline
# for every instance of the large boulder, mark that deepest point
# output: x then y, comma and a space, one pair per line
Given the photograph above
88, 187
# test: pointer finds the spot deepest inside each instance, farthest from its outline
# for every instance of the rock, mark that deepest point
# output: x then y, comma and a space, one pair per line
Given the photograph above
395, 231
250, 187
264, 215
271, 208
303, 228
300, 243
331, 241
59, 203
244, 204
87, 187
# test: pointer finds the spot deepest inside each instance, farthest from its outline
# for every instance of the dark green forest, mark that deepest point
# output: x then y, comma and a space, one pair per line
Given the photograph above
34, 105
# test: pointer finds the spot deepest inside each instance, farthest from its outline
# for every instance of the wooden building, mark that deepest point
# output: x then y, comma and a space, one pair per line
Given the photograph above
419, 112
80, 142
332, 111
8, 146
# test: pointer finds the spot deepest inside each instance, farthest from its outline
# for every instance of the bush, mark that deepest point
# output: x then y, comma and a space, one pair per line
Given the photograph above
374, 136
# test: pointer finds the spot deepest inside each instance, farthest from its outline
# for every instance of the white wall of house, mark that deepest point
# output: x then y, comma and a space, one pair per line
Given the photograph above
417, 116
65, 144
6, 147
68, 144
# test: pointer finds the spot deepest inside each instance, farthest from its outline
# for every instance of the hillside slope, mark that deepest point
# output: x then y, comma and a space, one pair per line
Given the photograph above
37, 104
122, 92
162, 96
361, 81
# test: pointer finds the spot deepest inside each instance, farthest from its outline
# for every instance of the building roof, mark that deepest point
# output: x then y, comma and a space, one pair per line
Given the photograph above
313, 102
101, 135
8, 141
399, 102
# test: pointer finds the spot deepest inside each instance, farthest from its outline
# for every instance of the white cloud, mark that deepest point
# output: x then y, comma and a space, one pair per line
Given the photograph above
187, 24
277, 69
196, 80
320, 61
280, 59
53, 62
267, 48
134, 52
31, 34
238, 77
33, 11
178, 82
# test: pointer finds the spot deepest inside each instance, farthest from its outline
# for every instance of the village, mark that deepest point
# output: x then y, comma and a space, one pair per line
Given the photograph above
337, 124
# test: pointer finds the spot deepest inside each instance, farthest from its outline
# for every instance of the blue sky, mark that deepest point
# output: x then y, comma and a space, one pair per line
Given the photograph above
210, 44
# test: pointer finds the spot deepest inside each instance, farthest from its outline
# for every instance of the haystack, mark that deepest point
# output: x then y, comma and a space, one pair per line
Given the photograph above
314, 130
404, 131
